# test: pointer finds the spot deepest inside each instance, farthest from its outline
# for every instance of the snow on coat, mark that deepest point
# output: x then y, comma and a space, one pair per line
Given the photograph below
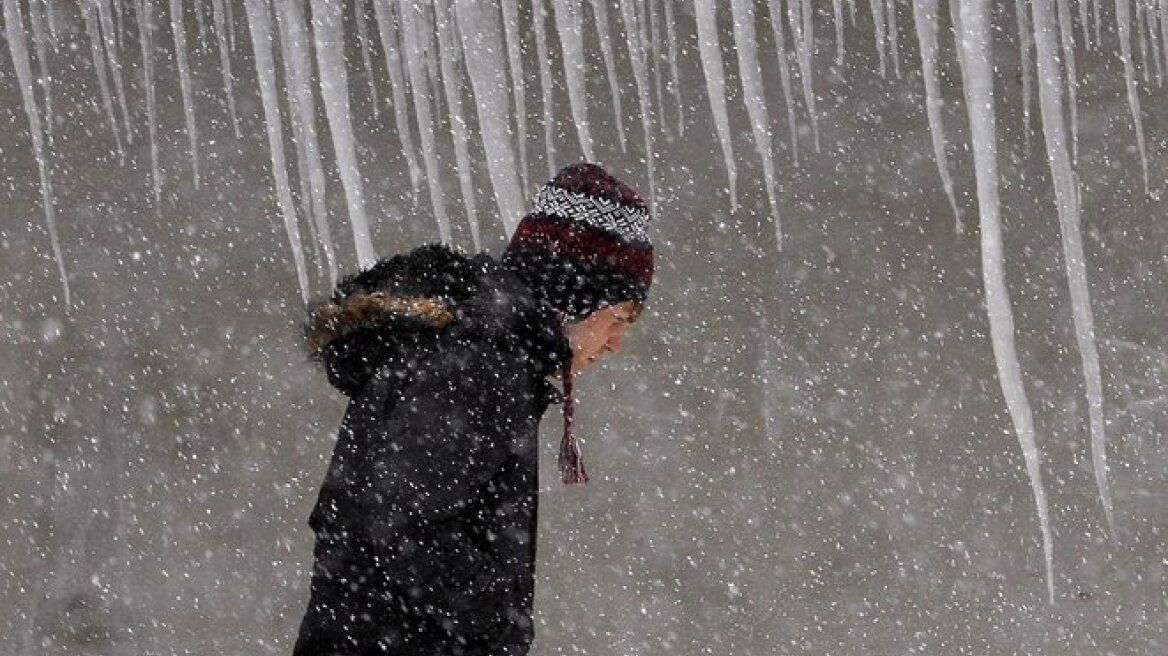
426, 520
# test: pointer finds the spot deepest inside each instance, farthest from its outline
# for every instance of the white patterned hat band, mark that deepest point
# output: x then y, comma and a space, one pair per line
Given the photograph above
629, 223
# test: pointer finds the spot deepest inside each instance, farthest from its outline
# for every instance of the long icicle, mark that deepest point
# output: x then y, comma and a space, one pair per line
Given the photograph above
837, 16
1025, 46
413, 27
600, 16
95, 50
40, 40
389, 45
362, 21
1162, 6
539, 18
184, 76
674, 78
146, 44
221, 28
975, 42
296, 52
567, 19
482, 45
776, 15
1067, 200
1067, 36
1084, 24
754, 95
893, 37
711, 55
640, 76
328, 38
452, 84
877, 7
14, 29
109, 34
259, 25
1154, 26
1123, 23
925, 17
800, 15
652, 17
518, 89
1141, 19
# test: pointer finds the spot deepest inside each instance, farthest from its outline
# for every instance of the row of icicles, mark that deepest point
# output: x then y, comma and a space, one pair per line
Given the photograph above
437, 46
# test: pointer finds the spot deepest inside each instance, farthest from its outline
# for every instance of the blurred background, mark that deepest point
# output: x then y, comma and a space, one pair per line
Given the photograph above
800, 451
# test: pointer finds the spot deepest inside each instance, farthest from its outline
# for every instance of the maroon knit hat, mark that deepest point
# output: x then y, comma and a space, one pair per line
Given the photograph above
584, 247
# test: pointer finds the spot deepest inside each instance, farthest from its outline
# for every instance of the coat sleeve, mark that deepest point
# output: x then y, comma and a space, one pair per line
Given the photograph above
442, 440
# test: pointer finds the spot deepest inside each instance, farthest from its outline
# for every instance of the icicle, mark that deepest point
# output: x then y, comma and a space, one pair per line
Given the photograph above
837, 15
146, 43
1025, 45
36, 22
925, 16
1067, 200
230, 24
225, 62
955, 20
184, 77
115, 66
363, 37
545, 82
51, 20
711, 56
1123, 21
1154, 26
600, 15
1096, 4
1162, 6
328, 36
413, 27
893, 37
800, 16
14, 28
200, 26
297, 58
975, 41
675, 79
567, 17
634, 38
776, 11
117, 10
754, 95
878, 26
259, 24
385, 28
95, 51
1068, 41
1085, 26
653, 19
452, 84
518, 90
482, 44
1142, 38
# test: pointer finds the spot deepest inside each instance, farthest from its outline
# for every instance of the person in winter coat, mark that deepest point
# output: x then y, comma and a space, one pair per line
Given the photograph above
426, 521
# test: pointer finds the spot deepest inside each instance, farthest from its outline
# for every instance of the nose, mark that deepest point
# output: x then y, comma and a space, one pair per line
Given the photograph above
614, 343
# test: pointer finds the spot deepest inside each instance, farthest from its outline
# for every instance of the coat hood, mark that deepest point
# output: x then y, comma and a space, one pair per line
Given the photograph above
399, 310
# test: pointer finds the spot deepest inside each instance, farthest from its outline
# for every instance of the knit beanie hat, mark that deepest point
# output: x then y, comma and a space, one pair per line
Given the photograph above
584, 247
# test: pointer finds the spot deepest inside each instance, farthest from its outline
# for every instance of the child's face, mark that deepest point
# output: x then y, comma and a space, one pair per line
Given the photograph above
600, 331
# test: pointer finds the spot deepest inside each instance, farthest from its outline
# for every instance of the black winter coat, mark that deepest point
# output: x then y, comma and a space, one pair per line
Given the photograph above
426, 521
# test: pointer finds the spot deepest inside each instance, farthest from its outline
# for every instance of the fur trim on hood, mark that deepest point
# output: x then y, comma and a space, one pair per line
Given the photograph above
400, 307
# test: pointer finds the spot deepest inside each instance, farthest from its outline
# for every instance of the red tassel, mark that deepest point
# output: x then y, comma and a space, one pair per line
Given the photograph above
571, 460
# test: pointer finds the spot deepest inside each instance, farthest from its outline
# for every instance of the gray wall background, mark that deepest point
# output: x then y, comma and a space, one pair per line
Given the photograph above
803, 452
